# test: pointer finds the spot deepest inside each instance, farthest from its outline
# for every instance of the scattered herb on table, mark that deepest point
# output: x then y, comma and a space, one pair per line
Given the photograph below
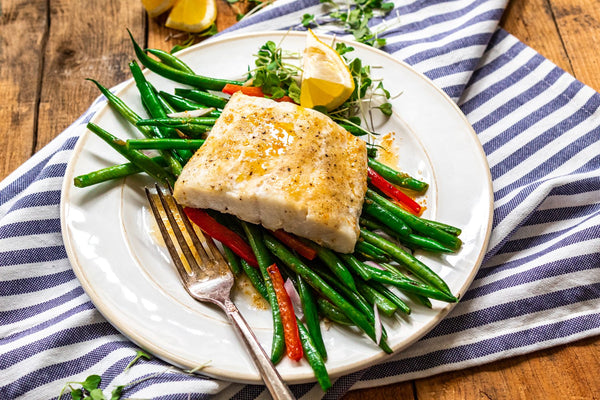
355, 18
90, 386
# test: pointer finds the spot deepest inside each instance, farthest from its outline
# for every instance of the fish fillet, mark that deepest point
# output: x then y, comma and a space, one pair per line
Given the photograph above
282, 166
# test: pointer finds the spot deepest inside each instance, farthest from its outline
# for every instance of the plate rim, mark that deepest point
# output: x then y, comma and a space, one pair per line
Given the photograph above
106, 311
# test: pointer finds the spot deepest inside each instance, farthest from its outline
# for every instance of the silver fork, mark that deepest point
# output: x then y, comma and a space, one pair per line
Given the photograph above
206, 277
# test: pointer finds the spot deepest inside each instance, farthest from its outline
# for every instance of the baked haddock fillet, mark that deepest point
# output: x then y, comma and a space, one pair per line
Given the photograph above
282, 166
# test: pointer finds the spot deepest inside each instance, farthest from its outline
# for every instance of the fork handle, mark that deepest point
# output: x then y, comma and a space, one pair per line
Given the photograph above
277, 388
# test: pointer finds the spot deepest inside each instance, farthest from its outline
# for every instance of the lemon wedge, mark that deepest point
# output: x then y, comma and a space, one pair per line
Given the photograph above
326, 79
192, 15
157, 7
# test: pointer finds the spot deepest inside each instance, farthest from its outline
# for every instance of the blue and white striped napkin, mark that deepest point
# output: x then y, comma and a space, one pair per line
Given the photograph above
539, 284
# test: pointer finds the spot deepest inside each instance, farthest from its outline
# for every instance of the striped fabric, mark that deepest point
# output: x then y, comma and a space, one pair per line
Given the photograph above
539, 284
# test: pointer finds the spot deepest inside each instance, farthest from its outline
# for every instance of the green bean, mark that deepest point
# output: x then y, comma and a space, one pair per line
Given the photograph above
134, 156
310, 315
397, 178
184, 127
336, 266
205, 98
122, 108
145, 144
392, 221
445, 227
131, 116
417, 298
177, 121
314, 358
416, 223
413, 241
233, 260
314, 280
149, 100
182, 104
192, 130
370, 224
176, 75
391, 296
332, 313
112, 172
424, 243
405, 258
374, 297
171, 60
255, 278
357, 266
167, 108
352, 296
408, 285
253, 233
187, 129
370, 252
153, 105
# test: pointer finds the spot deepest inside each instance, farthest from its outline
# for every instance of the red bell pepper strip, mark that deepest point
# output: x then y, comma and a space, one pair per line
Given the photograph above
291, 335
286, 98
294, 243
392, 191
221, 233
247, 90
230, 88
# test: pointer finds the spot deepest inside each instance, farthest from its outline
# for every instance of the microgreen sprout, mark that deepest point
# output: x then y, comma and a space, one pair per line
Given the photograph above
274, 76
138, 355
368, 93
308, 19
90, 387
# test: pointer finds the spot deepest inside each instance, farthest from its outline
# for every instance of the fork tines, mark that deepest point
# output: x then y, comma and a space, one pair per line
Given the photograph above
190, 246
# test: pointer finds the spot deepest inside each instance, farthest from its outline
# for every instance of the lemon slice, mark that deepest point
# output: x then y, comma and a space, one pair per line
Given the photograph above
157, 7
192, 15
326, 79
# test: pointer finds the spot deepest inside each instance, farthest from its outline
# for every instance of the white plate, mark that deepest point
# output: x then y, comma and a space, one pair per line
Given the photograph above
110, 239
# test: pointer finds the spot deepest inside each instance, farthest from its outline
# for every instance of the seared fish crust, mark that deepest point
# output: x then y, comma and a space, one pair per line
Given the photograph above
282, 166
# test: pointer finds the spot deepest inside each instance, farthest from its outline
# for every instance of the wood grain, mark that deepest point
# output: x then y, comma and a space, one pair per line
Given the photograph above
567, 32
564, 372
21, 61
532, 22
87, 39
579, 27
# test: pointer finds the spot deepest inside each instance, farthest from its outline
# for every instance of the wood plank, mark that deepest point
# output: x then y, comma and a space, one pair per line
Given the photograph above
564, 372
532, 22
578, 22
87, 39
21, 49
402, 391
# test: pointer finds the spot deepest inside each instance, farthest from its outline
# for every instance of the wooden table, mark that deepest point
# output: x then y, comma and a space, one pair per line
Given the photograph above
47, 48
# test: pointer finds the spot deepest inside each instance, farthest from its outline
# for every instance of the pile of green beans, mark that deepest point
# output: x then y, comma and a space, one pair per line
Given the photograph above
343, 288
